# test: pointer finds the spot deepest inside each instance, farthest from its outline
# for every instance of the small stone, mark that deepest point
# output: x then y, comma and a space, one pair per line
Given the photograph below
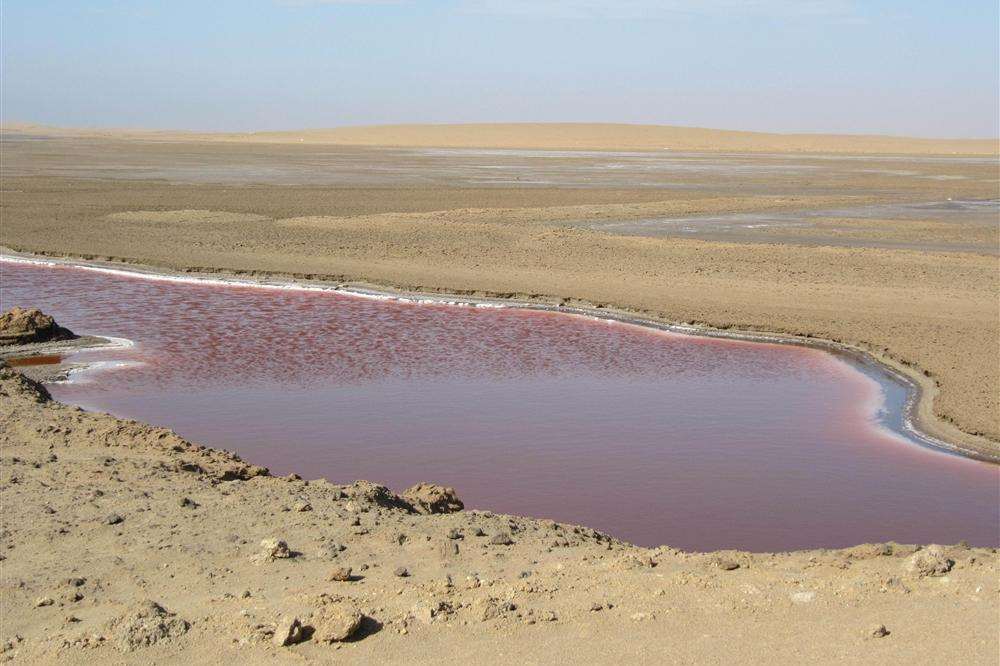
340, 574
401, 572
44, 601
478, 532
335, 623
288, 631
423, 612
501, 539
803, 597
188, 503
76, 582
878, 631
454, 533
272, 549
727, 564
930, 561
303, 506
594, 607
113, 519
330, 550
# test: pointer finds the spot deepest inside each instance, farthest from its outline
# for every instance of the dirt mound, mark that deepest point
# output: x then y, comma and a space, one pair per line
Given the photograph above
14, 385
19, 326
431, 498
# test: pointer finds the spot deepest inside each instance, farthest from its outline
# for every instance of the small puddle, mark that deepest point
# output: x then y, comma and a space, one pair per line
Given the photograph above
743, 227
654, 437
39, 359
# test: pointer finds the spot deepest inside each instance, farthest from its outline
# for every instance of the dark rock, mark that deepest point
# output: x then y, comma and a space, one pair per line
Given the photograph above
878, 631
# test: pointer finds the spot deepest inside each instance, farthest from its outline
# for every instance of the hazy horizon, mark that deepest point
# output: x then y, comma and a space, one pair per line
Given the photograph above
14, 123
885, 67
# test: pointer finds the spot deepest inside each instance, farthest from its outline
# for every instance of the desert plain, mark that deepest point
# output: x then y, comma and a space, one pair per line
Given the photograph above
123, 542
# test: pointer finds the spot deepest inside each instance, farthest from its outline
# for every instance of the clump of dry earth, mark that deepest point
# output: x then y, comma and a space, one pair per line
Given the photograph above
124, 543
19, 326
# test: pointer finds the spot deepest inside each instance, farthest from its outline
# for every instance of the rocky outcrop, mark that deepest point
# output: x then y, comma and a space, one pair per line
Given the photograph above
375, 494
20, 327
431, 498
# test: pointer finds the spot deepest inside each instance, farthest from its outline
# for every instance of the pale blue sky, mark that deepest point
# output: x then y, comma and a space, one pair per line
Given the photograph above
883, 66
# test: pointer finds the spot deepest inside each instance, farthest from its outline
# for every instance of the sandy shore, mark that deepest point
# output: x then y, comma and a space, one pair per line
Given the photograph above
124, 543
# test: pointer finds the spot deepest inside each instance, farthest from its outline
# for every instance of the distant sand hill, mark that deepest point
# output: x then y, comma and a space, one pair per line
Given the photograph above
566, 136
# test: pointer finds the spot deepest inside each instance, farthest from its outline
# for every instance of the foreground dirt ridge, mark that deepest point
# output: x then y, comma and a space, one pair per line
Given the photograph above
928, 425
124, 543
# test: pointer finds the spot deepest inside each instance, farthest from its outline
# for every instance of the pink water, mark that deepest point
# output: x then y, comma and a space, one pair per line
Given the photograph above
652, 437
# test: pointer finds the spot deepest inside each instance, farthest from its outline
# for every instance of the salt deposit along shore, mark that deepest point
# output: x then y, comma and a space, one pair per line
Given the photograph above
917, 421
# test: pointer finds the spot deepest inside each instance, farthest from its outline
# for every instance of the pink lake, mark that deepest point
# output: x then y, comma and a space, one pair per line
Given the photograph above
651, 436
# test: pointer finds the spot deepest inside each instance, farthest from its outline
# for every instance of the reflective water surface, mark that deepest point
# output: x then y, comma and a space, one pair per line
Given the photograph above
653, 437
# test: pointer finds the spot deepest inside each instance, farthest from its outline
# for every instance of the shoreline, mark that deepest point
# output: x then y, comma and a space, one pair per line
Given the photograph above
64, 369
126, 543
919, 425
